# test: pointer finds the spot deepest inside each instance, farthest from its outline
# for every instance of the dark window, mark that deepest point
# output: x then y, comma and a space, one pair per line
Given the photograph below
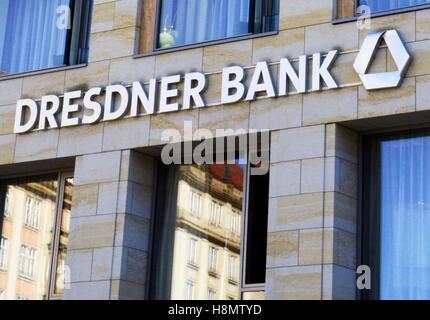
256, 239
42, 34
396, 215
184, 22
386, 5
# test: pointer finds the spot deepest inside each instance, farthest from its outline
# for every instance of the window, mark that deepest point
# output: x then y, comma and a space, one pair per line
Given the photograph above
190, 291
232, 268
195, 21
396, 215
211, 294
42, 34
386, 5
225, 253
27, 259
216, 213
213, 252
195, 203
3, 253
35, 270
193, 252
234, 222
7, 205
32, 211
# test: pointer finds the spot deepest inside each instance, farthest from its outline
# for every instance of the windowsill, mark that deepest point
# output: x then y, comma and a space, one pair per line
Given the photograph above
383, 13
41, 71
25, 278
204, 44
193, 266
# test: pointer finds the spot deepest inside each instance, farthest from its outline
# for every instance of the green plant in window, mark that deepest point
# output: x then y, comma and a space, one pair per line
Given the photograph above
168, 36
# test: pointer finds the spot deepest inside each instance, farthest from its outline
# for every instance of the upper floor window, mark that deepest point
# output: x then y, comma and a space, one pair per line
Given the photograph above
192, 258
27, 260
385, 5
3, 253
195, 21
32, 212
216, 212
42, 34
7, 201
195, 201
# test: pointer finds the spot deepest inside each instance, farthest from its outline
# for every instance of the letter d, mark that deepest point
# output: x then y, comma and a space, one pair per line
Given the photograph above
21, 127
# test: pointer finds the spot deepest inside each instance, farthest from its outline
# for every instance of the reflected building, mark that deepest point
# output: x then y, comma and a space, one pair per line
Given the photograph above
206, 260
28, 237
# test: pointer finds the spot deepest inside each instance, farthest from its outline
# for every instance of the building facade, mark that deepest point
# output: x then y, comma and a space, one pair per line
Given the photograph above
90, 209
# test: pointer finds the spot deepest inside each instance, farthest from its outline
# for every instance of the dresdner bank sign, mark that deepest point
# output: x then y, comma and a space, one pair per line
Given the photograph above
84, 108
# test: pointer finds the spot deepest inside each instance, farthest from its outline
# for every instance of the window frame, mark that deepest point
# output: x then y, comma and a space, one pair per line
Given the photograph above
62, 175
241, 226
250, 34
77, 39
377, 13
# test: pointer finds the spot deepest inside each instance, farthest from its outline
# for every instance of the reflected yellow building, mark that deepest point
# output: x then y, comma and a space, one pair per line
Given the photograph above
27, 239
207, 236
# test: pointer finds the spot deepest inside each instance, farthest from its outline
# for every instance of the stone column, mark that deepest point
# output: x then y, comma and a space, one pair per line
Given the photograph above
312, 214
110, 223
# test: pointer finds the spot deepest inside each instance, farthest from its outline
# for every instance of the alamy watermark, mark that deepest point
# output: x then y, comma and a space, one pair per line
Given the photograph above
221, 146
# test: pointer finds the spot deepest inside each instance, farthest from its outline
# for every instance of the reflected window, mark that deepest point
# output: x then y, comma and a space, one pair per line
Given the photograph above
32, 211
211, 294
216, 212
4, 244
232, 268
192, 260
27, 259
190, 291
7, 204
195, 203
213, 254
33, 236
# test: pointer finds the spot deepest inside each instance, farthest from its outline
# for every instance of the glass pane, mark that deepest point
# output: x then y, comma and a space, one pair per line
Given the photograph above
405, 219
383, 5
33, 34
190, 21
63, 272
254, 295
27, 237
197, 256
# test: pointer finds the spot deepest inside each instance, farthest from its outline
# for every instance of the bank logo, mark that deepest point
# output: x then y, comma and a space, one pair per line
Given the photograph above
365, 57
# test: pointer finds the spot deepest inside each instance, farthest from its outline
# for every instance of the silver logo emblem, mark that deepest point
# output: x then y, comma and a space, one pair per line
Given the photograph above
401, 56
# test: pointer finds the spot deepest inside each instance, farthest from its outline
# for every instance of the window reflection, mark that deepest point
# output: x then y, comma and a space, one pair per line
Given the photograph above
29, 210
198, 234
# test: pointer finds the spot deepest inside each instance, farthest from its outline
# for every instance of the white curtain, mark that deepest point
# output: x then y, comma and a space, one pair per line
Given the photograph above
32, 39
382, 5
405, 219
203, 20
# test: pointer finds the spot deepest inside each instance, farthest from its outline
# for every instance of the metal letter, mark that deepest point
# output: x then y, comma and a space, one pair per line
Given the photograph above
320, 71
228, 84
